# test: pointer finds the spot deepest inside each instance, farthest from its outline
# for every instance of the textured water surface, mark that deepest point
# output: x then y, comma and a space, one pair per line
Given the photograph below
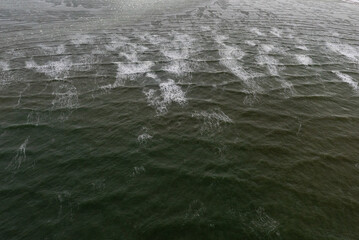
229, 119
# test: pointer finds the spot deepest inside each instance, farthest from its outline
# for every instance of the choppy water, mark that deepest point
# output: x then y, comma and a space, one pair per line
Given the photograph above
229, 119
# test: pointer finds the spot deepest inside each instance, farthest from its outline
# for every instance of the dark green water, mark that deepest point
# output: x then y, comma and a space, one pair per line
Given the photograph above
229, 119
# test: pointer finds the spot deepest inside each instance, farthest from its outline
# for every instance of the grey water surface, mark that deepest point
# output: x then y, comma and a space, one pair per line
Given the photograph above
190, 119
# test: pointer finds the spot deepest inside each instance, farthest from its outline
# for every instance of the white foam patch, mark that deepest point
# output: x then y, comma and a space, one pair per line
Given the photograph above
212, 120
79, 39
346, 50
276, 32
256, 31
270, 62
20, 156
54, 69
4, 66
66, 97
61, 49
168, 93
304, 60
347, 79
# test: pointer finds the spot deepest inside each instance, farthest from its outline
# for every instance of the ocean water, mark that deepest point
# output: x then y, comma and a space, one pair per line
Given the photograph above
190, 119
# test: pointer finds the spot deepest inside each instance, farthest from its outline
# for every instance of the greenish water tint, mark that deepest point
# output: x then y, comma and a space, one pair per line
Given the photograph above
184, 119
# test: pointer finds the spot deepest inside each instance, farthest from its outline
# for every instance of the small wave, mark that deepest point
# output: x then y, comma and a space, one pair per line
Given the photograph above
302, 47
230, 57
53, 50
351, 1
303, 59
267, 48
178, 67
168, 93
66, 97
54, 69
82, 39
4, 66
251, 43
143, 138
276, 32
270, 62
346, 50
20, 156
256, 31
138, 170
212, 120
264, 223
116, 43
347, 79
132, 69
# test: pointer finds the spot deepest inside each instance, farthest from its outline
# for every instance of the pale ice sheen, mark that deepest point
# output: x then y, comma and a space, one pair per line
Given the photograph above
346, 50
347, 79
54, 69
168, 93
4, 65
303, 59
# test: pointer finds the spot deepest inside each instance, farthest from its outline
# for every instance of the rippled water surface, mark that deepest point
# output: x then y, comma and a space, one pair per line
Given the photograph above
164, 119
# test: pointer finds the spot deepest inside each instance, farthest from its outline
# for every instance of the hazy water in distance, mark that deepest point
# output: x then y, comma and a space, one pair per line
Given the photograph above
164, 119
